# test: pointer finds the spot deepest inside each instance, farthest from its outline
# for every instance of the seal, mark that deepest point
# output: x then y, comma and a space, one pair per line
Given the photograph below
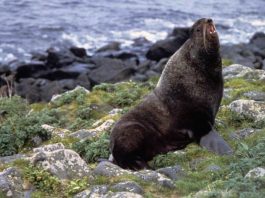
182, 107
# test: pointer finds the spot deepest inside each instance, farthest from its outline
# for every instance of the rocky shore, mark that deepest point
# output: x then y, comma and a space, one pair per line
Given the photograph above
59, 69
58, 144
60, 148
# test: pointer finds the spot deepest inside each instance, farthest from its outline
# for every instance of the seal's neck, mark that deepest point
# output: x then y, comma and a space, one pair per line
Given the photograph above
190, 60
202, 59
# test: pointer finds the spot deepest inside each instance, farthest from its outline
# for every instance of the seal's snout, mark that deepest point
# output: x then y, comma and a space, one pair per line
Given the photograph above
209, 20
211, 28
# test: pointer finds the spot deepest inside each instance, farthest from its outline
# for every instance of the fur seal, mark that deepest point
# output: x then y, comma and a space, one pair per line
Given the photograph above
182, 107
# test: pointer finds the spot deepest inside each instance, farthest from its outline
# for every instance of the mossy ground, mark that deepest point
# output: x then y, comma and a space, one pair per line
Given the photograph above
226, 62
79, 110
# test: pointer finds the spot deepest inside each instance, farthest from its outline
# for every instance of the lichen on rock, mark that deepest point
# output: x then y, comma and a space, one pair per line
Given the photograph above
63, 163
249, 108
11, 183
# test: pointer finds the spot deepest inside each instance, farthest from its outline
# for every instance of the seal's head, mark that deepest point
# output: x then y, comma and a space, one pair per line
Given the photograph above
204, 35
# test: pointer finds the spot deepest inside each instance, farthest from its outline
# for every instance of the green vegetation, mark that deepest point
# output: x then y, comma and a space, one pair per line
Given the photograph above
20, 122
226, 62
19, 125
93, 149
42, 180
239, 86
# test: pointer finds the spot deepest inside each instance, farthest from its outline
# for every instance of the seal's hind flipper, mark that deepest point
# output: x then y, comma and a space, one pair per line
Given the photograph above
215, 143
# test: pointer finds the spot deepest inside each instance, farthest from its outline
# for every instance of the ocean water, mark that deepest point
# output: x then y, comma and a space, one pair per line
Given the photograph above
32, 25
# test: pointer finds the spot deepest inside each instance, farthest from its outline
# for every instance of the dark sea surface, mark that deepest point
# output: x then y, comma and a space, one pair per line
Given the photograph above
31, 25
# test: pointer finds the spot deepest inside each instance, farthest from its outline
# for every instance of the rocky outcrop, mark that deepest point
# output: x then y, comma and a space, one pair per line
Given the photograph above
11, 183
90, 133
56, 71
129, 186
240, 71
110, 70
173, 172
61, 162
249, 108
255, 95
243, 133
11, 158
60, 69
112, 46
110, 194
123, 195
110, 170
43, 89
256, 172
165, 48
55, 131
251, 54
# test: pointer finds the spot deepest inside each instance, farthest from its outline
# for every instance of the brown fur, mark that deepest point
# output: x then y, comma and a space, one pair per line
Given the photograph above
180, 110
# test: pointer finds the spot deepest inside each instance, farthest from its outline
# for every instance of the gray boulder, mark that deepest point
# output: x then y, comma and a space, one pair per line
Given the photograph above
243, 133
239, 53
36, 90
110, 70
94, 191
11, 183
109, 169
235, 70
240, 71
122, 195
165, 48
128, 186
255, 173
63, 163
57, 58
113, 46
49, 148
258, 39
251, 54
173, 172
83, 194
144, 66
151, 73
227, 93
249, 108
139, 77
255, 95
55, 131
98, 191
32, 69
100, 127
78, 51
11, 158
82, 134
76, 89
160, 65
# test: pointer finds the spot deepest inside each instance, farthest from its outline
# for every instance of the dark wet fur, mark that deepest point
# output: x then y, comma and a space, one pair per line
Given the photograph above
187, 100
204, 38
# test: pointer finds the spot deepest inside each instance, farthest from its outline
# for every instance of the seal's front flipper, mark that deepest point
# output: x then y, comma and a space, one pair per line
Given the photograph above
215, 143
